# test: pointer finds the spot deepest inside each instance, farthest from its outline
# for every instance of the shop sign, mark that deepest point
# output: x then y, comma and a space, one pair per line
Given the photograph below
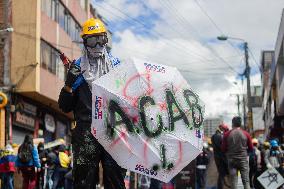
26, 120
60, 130
49, 123
30, 109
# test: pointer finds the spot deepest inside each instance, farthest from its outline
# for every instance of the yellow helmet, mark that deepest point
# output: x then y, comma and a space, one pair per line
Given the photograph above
93, 26
266, 144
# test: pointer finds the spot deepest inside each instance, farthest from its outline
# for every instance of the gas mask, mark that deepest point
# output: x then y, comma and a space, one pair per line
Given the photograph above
95, 45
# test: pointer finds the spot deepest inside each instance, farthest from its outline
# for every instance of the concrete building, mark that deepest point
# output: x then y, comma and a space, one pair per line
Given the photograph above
210, 126
34, 74
273, 94
257, 111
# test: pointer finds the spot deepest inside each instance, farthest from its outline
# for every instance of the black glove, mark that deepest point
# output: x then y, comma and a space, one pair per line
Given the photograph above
73, 73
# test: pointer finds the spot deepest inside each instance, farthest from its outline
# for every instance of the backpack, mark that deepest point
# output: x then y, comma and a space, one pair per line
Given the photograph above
25, 153
252, 159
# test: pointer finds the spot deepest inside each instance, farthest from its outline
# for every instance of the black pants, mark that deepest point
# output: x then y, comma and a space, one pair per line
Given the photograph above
222, 167
201, 178
87, 154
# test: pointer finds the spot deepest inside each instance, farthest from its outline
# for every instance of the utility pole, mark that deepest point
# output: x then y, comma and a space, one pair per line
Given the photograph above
238, 103
244, 112
247, 73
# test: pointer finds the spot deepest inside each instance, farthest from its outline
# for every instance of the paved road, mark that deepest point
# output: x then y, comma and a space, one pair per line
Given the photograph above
212, 176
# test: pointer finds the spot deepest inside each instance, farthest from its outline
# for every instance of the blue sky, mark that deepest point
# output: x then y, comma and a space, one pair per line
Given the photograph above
180, 34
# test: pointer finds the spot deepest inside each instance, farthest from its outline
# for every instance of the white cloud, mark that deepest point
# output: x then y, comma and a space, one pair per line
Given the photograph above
183, 43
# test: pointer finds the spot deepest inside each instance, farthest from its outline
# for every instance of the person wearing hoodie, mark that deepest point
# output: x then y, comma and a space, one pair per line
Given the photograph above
202, 162
237, 144
76, 97
51, 165
273, 156
28, 162
41, 180
61, 168
7, 167
219, 156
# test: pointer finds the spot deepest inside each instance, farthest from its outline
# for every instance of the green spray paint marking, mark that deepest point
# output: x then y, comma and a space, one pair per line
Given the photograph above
174, 116
188, 95
143, 101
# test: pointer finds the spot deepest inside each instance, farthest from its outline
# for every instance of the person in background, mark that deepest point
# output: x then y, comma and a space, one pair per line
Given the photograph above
254, 163
236, 144
273, 156
219, 156
62, 165
51, 164
202, 162
155, 184
41, 175
7, 167
68, 176
282, 160
28, 162
264, 150
1, 155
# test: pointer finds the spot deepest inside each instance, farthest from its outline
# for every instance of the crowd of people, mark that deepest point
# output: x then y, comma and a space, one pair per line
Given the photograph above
40, 168
236, 152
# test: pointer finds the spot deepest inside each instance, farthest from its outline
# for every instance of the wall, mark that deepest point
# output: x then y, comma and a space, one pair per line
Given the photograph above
80, 14
1, 41
280, 86
25, 49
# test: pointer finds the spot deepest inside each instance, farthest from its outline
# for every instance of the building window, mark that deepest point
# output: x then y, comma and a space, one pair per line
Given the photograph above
46, 7
83, 4
57, 12
50, 60
61, 13
54, 10
67, 22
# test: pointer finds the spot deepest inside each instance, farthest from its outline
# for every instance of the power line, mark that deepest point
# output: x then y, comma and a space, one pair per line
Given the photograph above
214, 23
254, 60
213, 51
159, 34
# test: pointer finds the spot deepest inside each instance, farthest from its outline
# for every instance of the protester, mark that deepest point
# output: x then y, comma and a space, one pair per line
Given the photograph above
219, 156
76, 96
7, 167
265, 149
156, 184
282, 160
62, 165
236, 144
68, 176
41, 175
28, 162
273, 156
51, 164
202, 162
254, 163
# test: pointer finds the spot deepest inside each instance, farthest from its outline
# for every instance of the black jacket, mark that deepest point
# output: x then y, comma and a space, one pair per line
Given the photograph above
217, 143
203, 158
79, 101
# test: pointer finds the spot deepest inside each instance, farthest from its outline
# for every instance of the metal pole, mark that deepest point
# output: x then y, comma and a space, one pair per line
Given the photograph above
244, 112
250, 120
238, 98
6, 62
244, 106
